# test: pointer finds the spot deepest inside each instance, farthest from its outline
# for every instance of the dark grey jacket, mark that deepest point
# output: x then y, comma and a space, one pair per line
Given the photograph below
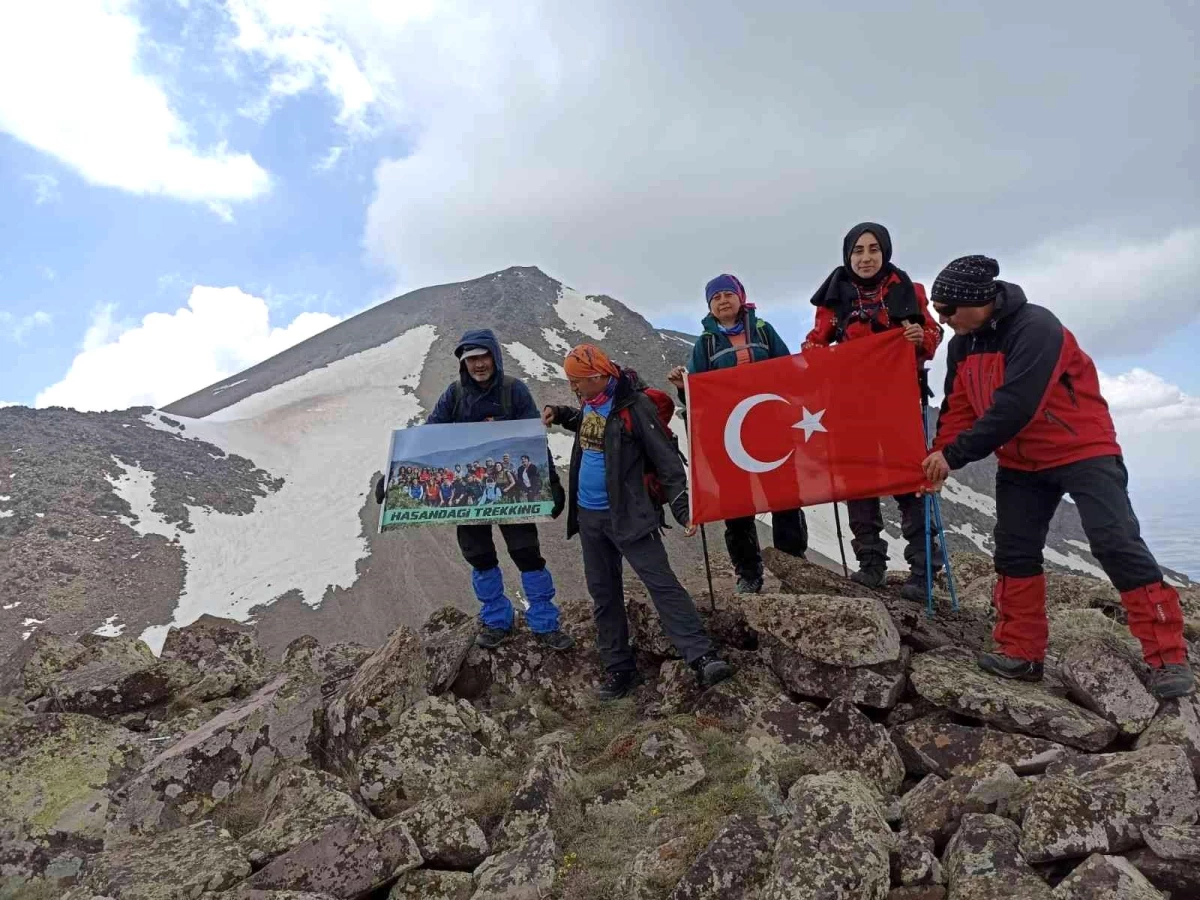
634, 514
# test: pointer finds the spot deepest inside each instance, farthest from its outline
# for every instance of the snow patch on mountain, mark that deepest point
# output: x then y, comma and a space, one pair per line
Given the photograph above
533, 364
136, 487
556, 341
581, 313
1071, 561
561, 445
325, 433
110, 628
957, 492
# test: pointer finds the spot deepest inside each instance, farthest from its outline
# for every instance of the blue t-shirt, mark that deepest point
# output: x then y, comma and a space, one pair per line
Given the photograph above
593, 490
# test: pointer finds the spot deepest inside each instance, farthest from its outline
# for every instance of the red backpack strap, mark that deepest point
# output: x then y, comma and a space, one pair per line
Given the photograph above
627, 418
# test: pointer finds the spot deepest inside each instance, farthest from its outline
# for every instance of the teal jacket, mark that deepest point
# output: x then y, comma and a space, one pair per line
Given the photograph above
715, 351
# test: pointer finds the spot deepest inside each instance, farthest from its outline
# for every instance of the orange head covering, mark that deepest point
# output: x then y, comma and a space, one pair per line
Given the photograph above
587, 361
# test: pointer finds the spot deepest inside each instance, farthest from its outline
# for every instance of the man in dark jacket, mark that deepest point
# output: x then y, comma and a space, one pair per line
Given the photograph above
734, 335
617, 432
483, 393
529, 480
1019, 386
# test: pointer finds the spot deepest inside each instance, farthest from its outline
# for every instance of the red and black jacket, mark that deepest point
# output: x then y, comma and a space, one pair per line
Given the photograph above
1021, 387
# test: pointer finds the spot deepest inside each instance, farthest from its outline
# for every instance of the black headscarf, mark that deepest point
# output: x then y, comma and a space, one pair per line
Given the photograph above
840, 289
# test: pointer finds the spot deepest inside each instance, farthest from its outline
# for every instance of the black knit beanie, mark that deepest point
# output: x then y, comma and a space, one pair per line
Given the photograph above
967, 281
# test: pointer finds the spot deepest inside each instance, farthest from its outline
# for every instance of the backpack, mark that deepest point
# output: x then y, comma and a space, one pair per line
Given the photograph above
664, 406
506, 397
710, 339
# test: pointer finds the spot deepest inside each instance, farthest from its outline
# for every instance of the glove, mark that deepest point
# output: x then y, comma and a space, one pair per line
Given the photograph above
560, 498
379, 491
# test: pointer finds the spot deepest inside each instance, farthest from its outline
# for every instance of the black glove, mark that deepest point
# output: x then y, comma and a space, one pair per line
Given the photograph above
560, 498
379, 491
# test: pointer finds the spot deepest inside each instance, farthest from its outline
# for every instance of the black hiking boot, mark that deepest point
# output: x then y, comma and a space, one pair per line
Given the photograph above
872, 577
491, 638
556, 640
1010, 667
914, 588
711, 669
1172, 680
749, 585
618, 684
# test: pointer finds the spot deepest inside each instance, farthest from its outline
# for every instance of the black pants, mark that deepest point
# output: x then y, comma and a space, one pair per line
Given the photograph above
789, 534
871, 550
1027, 501
479, 549
602, 566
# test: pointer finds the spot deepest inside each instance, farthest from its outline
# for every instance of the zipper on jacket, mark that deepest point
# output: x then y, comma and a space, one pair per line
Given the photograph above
1069, 385
1051, 417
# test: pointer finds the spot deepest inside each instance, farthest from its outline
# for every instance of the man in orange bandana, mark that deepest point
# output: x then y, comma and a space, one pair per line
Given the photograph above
618, 437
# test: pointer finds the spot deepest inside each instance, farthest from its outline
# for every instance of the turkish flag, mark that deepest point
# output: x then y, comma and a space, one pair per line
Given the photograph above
832, 423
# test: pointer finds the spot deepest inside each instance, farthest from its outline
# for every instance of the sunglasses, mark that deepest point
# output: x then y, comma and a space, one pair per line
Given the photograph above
946, 310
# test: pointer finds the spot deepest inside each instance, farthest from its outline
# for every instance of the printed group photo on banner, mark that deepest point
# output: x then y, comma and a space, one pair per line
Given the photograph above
469, 472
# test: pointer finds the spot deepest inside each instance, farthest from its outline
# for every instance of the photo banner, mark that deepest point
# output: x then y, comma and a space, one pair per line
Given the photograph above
467, 474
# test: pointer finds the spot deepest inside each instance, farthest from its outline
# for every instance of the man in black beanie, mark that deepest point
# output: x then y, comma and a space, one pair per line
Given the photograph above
1019, 386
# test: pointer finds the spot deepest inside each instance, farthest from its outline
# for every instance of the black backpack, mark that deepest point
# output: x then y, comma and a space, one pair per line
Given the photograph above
506, 397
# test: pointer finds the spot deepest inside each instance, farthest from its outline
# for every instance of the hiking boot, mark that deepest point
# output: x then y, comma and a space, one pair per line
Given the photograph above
749, 585
1010, 667
556, 640
914, 588
618, 684
872, 578
1172, 680
491, 638
711, 669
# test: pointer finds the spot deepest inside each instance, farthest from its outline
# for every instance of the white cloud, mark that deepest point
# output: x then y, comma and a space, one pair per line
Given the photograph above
170, 355
17, 328
71, 86
45, 188
1144, 401
330, 159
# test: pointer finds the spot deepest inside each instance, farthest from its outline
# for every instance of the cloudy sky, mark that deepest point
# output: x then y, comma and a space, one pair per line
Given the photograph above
187, 187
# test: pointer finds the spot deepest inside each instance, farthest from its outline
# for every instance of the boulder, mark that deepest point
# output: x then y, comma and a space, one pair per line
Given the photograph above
29, 668
934, 744
735, 863
1170, 859
654, 870
300, 804
837, 631
181, 864
536, 796
1064, 591
1105, 681
935, 808
446, 836
447, 636
330, 665
915, 862
798, 576
247, 893
1106, 878
677, 688
223, 652
372, 701
347, 859
430, 884
837, 843
736, 702
437, 746
1176, 724
523, 722
878, 686
1105, 808
924, 892
763, 782
115, 686
982, 862
670, 767
526, 872
950, 678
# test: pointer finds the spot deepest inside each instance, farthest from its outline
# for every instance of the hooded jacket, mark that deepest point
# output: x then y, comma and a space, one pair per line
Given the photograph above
482, 403
717, 351
1022, 388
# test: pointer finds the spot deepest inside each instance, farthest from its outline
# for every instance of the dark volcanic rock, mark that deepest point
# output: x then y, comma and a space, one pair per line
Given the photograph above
1105, 682
982, 862
936, 745
223, 651
300, 804
446, 836
834, 630
1170, 859
1176, 724
935, 808
447, 636
878, 686
734, 863
1106, 878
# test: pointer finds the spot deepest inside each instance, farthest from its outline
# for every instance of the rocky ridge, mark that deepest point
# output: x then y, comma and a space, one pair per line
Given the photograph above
856, 754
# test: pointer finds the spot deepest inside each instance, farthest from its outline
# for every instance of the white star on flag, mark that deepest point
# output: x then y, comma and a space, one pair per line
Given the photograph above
810, 423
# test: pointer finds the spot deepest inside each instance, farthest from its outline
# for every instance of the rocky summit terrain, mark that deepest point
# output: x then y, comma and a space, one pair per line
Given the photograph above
857, 753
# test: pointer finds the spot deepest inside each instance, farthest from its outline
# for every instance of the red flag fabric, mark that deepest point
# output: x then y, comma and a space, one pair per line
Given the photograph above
832, 423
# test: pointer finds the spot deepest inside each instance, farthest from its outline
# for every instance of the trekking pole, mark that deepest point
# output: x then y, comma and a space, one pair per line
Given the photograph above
837, 518
712, 598
941, 527
928, 559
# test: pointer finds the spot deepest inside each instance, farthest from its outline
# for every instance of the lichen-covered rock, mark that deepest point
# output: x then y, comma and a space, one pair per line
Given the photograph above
330, 664
982, 862
447, 636
654, 870
950, 678
447, 837
1170, 859
673, 768
300, 804
431, 884
736, 702
923, 892
878, 686
914, 861
1105, 809
523, 723
799, 576
1105, 681
347, 859
735, 862
763, 781
247, 893
224, 652
374, 699
26, 672
175, 866
1177, 724
935, 745
437, 746
536, 796
1106, 877
935, 808
57, 777
111, 686
526, 872
836, 845
837, 631
677, 688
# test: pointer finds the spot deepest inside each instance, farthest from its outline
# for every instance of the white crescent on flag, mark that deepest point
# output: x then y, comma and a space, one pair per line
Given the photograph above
733, 436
